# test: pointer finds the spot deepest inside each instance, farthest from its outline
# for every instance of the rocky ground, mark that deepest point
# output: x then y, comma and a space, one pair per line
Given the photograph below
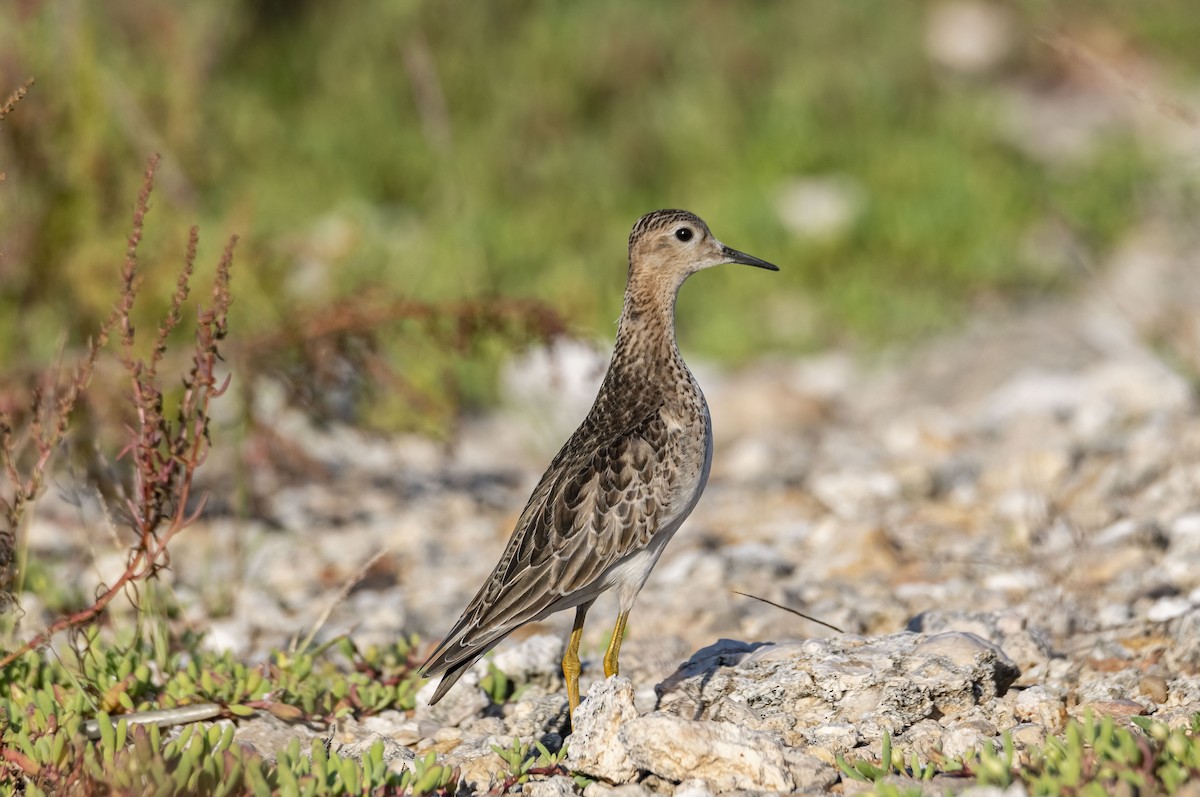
1004, 524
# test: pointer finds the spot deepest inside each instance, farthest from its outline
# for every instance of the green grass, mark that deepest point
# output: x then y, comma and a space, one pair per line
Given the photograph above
435, 151
64, 729
1093, 756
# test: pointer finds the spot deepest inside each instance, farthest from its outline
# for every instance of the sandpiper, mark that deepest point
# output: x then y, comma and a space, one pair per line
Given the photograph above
625, 480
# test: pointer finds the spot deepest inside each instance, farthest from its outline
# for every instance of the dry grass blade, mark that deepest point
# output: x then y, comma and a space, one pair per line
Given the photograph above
830, 626
358, 576
1080, 54
14, 98
171, 320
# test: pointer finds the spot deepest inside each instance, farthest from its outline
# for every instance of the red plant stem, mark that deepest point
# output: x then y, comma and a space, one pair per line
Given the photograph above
150, 553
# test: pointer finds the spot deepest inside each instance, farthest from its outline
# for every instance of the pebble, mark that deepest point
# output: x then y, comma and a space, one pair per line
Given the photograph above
1169, 608
1112, 708
596, 725
557, 786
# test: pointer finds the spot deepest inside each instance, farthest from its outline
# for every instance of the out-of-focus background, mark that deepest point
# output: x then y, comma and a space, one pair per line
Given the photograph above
905, 164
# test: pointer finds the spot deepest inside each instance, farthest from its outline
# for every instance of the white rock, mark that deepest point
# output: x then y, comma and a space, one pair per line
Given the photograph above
1028, 734
557, 786
820, 207
595, 727
396, 756
962, 739
727, 756
825, 376
1017, 581
537, 658
599, 789
722, 653
854, 494
694, 787
538, 717
393, 725
1168, 608
1113, 615
464, 700
875, 683
924, 739
228, 634
1185, 532
748, 459
1028, 648
968, 37
837, 737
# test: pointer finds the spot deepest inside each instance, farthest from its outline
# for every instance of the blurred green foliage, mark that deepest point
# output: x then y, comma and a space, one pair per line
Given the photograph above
406, 148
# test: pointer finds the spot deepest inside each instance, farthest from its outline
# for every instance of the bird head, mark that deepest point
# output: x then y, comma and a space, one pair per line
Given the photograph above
671, 245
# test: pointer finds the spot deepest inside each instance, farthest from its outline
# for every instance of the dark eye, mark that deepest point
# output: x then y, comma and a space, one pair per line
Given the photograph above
684, 234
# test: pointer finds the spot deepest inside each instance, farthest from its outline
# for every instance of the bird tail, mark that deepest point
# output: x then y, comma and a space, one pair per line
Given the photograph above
452, 660
450, 676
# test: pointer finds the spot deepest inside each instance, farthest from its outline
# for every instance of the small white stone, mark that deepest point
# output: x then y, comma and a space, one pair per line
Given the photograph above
1112, 615
599, 789
968, 37
693, 787
594, 749
464, 700
837, 737
1013, 581
1168, 608
231, 634
557, 786
964, 738
820, 207
537, 655
1184, 534
851, 494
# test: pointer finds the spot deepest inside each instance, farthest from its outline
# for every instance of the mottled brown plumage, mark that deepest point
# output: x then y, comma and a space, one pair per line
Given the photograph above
625, 480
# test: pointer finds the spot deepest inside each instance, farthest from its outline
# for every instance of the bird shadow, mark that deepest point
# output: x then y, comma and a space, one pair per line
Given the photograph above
705, 663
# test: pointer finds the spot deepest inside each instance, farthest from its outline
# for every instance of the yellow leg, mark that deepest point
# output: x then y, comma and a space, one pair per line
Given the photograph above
570, 662
611, 665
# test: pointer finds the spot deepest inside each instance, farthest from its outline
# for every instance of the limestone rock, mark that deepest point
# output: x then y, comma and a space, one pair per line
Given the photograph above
875, 684
596, 724
557, 786
726, 755
599, 789
463, 702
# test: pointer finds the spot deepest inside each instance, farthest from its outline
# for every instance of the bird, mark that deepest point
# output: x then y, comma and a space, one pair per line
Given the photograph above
623, 483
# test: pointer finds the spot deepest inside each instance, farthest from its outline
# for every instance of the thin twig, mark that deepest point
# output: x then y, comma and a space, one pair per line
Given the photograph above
14, 98
790, 609
1077, 52
358, 576
163, 718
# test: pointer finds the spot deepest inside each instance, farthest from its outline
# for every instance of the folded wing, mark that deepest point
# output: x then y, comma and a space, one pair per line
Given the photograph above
601, 500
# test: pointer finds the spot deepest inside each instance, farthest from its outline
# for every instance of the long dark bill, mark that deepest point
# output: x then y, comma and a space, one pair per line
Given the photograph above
734, 256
